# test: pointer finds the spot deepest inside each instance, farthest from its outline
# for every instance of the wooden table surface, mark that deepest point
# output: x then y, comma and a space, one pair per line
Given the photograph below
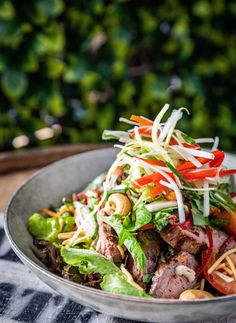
16, 167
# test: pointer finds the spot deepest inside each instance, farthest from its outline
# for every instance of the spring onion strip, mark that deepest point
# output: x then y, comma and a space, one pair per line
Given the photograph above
206, 199
177, 115
156, 123
179, 198
118, 146
121, 119
216, 144
204, 140
137, 136
182, 152
159, 205
198, 153
178, 139
198, 189
170, 124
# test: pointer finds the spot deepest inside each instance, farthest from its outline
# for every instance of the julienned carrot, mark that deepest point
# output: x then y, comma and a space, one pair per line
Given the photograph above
49, 212
141, 120
152, 161
157, 189
153, 178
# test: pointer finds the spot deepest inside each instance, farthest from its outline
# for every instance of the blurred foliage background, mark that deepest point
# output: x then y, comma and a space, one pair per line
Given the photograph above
73, 67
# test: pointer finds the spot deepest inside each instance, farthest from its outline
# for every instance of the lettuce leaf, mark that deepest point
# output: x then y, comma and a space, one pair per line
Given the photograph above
117, 283
48, 228
43, 228
89, 261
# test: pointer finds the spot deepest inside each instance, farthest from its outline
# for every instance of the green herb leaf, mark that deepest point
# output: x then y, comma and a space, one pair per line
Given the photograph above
142, 217
197, 214
126, 238
218, 223
220, 199
132, 244
187, 138
161, 218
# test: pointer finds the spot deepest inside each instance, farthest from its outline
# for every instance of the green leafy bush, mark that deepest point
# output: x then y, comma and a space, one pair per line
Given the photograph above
83, 63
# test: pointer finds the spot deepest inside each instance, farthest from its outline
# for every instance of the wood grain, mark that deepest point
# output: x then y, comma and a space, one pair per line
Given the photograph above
16, 167
34, 158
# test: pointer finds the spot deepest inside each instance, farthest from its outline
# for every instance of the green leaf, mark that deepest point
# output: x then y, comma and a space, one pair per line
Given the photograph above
133, 246
49, 8
197, 214
142, 217
43, 228
7, 11
161, 218
48, 228
187, 138
69, 222
14, 83
117, 283
218, 223
50, 41
220, 199
88, 261
128, 239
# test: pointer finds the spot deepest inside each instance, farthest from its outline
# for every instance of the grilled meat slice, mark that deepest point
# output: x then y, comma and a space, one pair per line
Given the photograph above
220, 238
192, 240
150, 244
107, 242
168, 283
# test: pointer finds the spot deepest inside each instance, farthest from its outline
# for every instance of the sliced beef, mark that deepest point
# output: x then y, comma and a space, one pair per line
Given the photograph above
167, 283
192, 240
108, 242
220, 238
150, 244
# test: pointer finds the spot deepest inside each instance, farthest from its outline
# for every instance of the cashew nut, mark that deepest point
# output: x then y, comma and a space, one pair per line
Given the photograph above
195, 294
118, 204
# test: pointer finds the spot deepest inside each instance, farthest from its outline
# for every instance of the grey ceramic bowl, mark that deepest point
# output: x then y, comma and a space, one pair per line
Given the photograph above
60, 179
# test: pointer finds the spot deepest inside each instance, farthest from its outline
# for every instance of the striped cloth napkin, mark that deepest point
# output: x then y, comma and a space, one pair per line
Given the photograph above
24, 298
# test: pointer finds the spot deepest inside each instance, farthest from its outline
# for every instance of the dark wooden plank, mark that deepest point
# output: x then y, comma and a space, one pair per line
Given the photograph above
34, 158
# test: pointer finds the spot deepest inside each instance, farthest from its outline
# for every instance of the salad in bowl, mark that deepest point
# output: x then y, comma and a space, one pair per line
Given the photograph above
161, 222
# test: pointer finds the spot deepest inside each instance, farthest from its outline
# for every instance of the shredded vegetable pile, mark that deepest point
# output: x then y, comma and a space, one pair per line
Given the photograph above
159, 223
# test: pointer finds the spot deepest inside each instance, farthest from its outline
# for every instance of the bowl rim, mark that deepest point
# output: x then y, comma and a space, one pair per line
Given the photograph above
30, 263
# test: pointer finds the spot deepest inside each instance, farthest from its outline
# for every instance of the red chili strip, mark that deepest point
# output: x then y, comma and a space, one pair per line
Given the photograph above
185, 225
152, 161
208, 253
